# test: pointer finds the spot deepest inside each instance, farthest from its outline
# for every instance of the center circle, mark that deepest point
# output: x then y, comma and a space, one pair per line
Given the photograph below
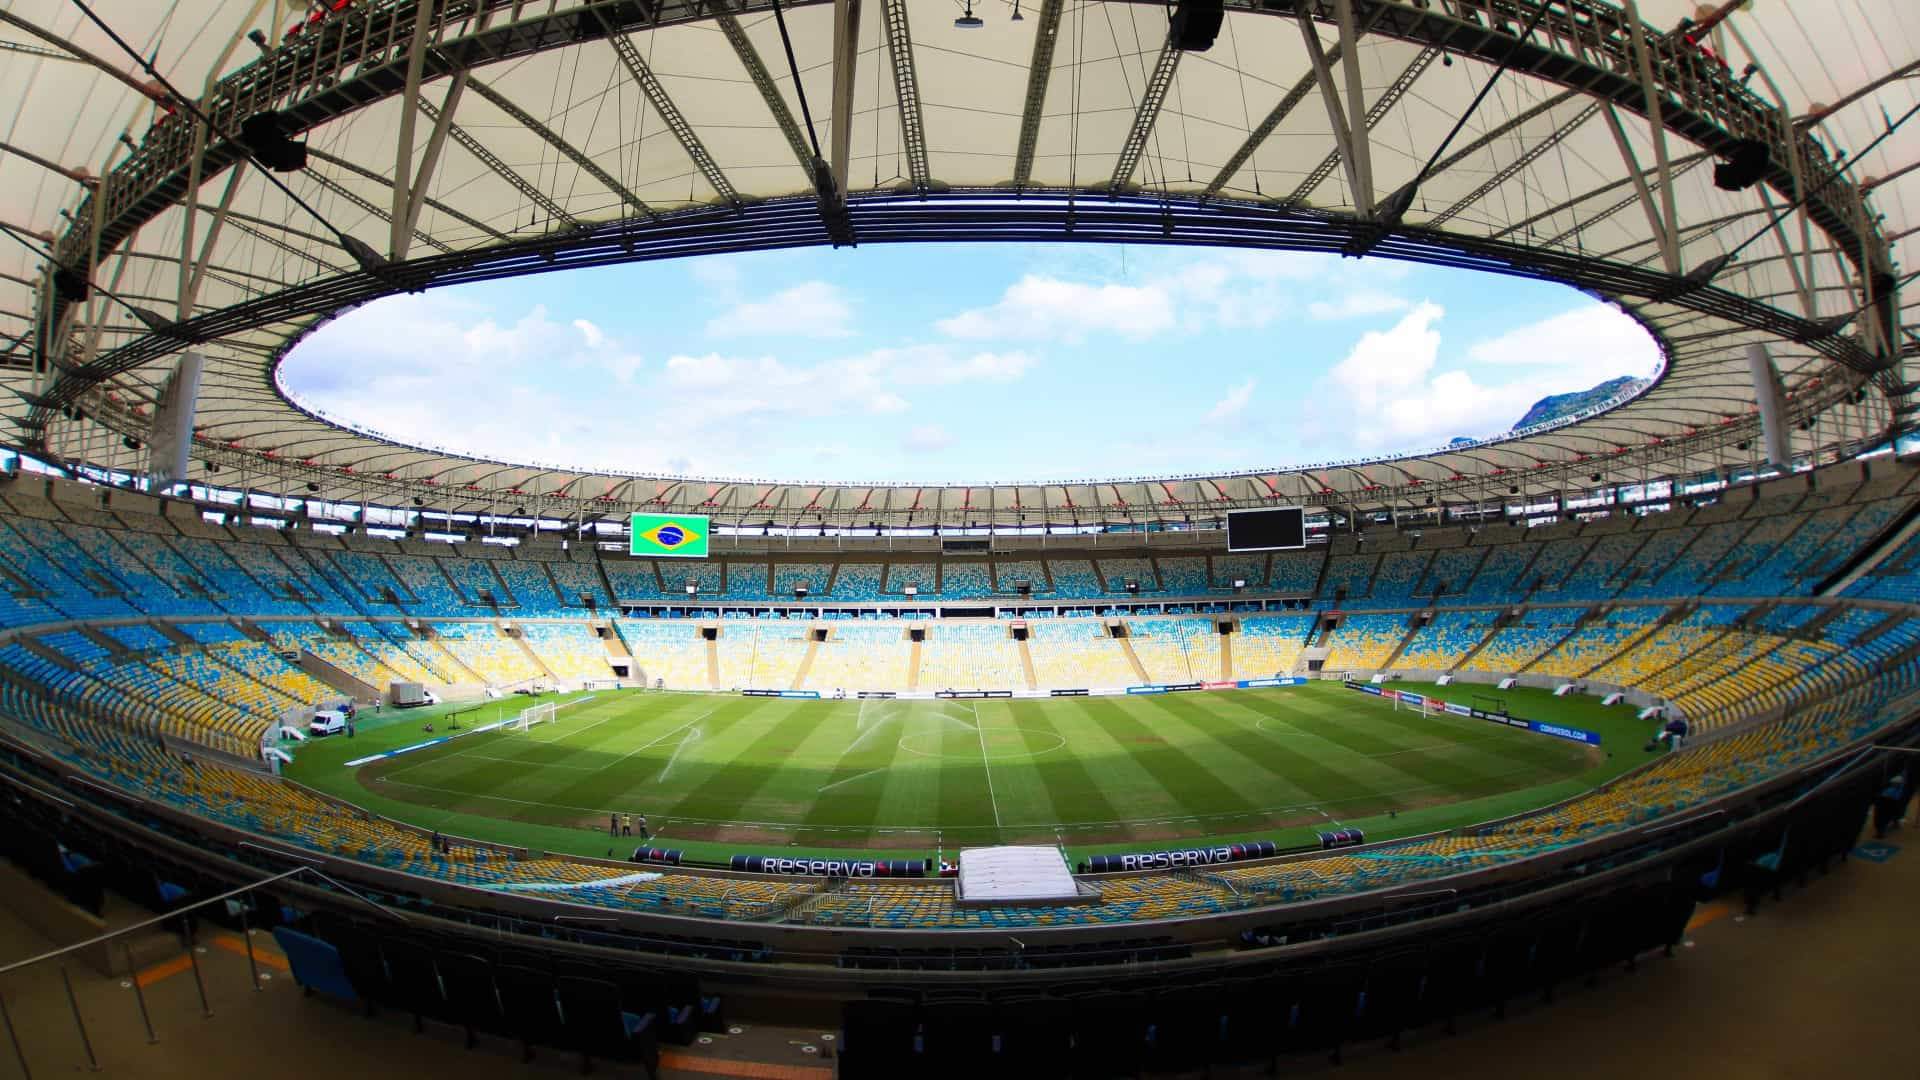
1000, 744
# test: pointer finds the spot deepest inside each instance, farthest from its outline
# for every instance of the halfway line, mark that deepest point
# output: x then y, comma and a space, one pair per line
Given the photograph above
991, 801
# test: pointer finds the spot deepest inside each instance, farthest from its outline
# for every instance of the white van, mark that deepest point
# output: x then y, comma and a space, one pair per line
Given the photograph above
328, 722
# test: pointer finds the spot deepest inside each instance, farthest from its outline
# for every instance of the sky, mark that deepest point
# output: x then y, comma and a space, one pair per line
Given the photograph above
963, 363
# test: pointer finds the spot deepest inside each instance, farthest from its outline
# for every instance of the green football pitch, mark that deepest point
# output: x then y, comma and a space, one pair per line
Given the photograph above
718, 774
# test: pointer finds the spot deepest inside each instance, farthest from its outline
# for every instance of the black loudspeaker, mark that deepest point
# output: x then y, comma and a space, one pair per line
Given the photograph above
1745, 167
70, 285
265, 136
1196, 23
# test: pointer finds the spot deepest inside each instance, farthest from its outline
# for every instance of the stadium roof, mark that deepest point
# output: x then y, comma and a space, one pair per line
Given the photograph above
532, 137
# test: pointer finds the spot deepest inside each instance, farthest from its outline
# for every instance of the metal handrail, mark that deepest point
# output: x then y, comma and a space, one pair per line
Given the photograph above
111, 935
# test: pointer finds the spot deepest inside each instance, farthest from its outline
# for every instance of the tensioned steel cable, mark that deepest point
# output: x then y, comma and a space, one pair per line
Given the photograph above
799, 89
1459, 122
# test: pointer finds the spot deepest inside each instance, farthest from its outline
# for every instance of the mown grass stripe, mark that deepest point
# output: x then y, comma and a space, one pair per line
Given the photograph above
1065, 785
1133, 771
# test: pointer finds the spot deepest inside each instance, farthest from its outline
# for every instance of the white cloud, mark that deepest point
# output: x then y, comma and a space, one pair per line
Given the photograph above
1391, 391
814, 309
1595, 334
945, 365
720, 273
593, 334
714, 386
1218, 290
1389, 362
624, 368
1048, 308
1356, 304
1234, 403
926, 439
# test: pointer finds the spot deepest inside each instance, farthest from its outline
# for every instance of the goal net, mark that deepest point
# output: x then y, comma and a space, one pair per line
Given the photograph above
543, 713
546, 712
1426, 707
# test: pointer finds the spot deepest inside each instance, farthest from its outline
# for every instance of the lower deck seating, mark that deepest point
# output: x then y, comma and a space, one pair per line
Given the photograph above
111, 736
1077, 653
571, 651
672, 653
1268, 645
971, 655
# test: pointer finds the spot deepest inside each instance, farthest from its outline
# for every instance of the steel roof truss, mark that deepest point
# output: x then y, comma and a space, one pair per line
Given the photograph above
671, 116
1258, 136
906, 87
736, 36
1375, 114
1039, 73
368, 174
1669, 249
1343, 135
492, 161
566, 149
1151, 99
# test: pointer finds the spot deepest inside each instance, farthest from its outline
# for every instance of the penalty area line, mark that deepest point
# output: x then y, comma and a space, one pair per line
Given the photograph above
850, 779
657, 741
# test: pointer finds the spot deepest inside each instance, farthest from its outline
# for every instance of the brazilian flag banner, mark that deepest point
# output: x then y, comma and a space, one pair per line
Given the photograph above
674, 536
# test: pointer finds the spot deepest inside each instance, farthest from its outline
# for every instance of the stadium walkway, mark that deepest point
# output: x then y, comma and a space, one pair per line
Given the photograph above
1820, 984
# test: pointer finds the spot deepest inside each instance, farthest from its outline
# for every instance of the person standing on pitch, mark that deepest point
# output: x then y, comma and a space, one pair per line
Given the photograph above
626, 824
613, 824
644, 834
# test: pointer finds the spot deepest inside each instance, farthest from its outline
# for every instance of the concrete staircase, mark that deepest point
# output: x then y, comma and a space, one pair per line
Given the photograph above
332, 676
1133, 658
806, 663
1672, 615
527, 647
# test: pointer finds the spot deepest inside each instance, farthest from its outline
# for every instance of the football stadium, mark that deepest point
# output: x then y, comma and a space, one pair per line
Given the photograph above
1590, 739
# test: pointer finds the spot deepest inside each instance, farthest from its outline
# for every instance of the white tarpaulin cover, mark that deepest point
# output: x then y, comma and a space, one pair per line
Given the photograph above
1014, 874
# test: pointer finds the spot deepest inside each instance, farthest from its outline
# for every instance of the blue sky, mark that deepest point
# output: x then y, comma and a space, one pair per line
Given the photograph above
945, 363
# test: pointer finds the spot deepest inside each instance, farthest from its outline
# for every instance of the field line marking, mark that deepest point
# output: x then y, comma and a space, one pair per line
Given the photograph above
1219, 815
690, 737
435, 759
850, 779
533, 764
657, 741
987, 765
565, 735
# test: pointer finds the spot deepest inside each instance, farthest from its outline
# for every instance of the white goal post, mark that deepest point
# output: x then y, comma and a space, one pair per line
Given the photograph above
546, 712
1427, 706
543, 713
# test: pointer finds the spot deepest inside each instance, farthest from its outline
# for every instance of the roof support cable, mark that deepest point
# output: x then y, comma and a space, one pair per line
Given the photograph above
369, 259
72, 285
833, 201
1395, 206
